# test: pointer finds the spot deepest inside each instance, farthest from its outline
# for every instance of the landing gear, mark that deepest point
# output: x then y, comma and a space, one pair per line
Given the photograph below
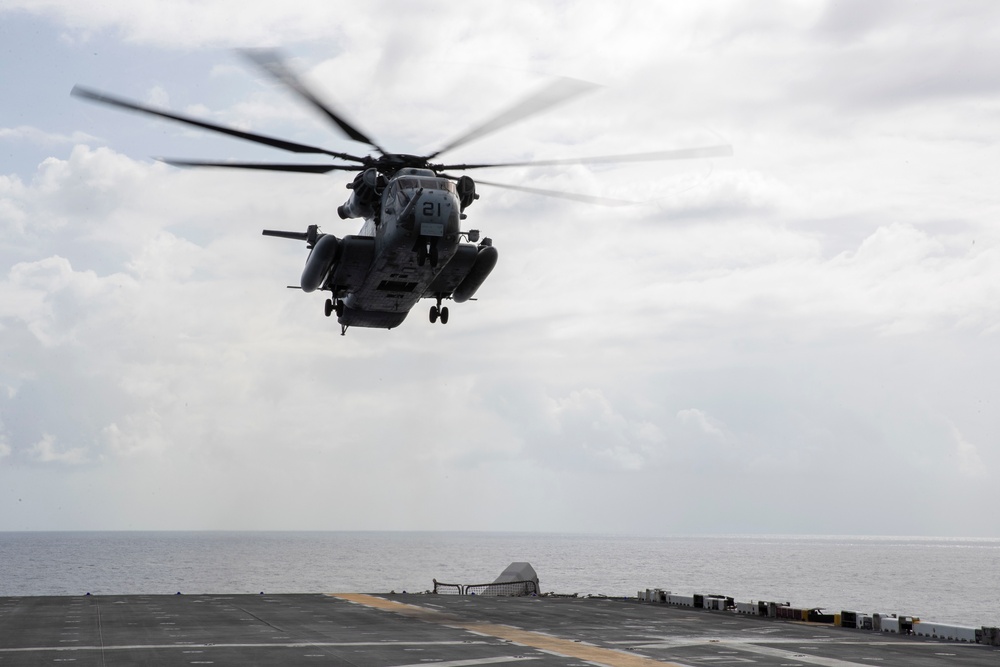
439, 312
330, 307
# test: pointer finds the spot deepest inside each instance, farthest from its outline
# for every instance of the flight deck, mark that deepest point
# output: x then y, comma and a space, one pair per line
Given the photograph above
388, 630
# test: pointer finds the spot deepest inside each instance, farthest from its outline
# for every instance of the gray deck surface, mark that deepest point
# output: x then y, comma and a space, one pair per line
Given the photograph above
378, 631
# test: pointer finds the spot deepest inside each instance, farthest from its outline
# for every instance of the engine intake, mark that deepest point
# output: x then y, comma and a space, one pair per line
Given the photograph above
466, 188
367, 187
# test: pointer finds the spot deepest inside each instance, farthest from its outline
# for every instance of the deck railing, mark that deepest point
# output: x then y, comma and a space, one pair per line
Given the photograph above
506, 588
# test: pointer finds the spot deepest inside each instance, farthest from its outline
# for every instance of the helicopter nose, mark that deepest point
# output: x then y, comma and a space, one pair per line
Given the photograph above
436, 214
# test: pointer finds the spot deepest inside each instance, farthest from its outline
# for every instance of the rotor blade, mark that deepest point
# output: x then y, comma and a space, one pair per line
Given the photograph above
298, 236
562, 90
266, 166
587, 199
270, 61
678, 154
104, 98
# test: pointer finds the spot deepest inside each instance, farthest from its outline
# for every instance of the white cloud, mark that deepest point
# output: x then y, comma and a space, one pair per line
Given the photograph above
45, 451
813, 299
586, 422
704, 423
38, 136
967, 458
53, 301
140, 435
159, 97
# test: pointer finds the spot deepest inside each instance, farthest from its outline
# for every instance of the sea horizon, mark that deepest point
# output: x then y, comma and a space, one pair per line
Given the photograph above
945, 578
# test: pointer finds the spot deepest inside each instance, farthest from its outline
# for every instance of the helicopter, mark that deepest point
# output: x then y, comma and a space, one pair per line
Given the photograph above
411, 245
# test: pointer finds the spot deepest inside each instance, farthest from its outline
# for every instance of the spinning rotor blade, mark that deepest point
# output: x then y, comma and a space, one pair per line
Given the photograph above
587, 199
562, 90
679, 154
270, 61
103, 98
266, 166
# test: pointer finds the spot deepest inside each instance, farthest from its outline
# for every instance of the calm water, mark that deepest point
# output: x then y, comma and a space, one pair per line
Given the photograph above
943, 579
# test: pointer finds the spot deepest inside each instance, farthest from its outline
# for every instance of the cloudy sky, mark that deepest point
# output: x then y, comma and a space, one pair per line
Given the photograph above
802, 338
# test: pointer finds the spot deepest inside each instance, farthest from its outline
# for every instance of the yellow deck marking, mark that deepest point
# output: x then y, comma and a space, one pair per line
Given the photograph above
542, 642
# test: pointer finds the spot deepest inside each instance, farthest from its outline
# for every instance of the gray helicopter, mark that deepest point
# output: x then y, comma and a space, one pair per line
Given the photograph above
411, 245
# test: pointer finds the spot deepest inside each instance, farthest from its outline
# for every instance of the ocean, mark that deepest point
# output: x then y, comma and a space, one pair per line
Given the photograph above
953, 580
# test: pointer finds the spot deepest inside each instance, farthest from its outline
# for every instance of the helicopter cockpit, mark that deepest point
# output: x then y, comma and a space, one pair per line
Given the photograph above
409, 182
412, 179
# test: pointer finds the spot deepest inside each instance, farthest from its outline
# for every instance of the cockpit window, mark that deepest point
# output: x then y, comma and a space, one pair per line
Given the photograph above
413, 183
438, 184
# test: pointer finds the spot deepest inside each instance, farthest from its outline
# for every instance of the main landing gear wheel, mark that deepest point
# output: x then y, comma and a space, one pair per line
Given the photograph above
328, 307
437, 312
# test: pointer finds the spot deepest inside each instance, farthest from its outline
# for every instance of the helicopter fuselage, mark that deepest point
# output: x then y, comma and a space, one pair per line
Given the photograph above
409, 247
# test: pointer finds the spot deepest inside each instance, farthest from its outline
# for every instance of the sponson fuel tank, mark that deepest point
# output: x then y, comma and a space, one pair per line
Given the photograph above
319, 262
480, 271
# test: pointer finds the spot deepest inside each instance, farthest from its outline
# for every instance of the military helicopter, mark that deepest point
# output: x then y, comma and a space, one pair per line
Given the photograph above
411, 245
